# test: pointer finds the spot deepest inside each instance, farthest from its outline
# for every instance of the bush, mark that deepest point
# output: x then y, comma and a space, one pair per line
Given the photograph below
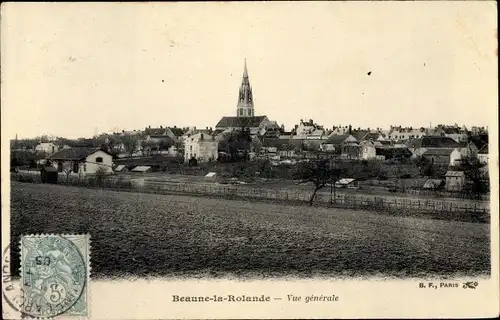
26, 177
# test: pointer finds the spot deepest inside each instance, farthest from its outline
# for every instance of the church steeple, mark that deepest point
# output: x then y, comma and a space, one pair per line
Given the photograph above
245, 97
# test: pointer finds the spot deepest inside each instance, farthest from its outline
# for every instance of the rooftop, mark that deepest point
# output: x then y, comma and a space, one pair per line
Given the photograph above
240, 122
337, 139
455, 174
433, 142
74, 153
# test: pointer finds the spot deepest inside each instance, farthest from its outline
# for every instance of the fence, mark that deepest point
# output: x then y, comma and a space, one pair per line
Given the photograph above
356, 201
341, 199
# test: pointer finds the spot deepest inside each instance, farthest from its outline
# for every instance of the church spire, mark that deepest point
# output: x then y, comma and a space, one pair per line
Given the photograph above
245, 97
245, 71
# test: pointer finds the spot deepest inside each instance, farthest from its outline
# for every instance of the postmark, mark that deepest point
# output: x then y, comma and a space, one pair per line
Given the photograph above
11, 288
55, 275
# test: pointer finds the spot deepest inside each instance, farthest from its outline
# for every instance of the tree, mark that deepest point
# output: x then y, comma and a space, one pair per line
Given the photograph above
145, 147
100, 174
474, 173
256, 145
44, 138
165, 143
237, 144
130, 143
28, 144
67, 169
425, 166
320, 172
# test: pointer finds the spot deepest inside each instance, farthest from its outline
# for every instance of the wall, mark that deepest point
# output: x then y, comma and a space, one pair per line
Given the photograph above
454, 183
92, 166
368, 151
455, 157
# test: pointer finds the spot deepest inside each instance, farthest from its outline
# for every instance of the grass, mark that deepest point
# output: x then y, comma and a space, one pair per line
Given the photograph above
142, 235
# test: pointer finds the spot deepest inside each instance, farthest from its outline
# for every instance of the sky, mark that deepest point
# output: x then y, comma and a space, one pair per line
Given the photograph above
74, 69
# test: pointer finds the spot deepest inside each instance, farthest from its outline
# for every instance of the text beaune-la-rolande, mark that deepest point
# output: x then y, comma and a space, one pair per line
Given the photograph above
221, 298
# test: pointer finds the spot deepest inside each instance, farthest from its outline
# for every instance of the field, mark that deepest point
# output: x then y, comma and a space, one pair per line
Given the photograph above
137, 234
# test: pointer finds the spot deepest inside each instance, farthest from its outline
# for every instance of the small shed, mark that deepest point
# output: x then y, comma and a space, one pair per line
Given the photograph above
49, 174
211, 176
433, 184
455, 180
345, 182
121, 168
142, 169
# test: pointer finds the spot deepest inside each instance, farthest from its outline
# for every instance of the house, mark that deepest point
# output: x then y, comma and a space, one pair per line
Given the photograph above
455, 132
177, 133
400, 133
340, 130
309, 130
419, 145
338, 144
82, 160
455, 181
365, 135
46, 148
392, 152
236, 123
479, 141
201, 146
367, 150
468, 149
257, 125
482, 155
443, 156
279, 147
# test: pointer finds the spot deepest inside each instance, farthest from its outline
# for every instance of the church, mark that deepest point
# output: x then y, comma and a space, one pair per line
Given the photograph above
245, 114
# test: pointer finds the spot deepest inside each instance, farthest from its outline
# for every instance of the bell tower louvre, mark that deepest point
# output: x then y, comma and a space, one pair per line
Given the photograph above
245, 97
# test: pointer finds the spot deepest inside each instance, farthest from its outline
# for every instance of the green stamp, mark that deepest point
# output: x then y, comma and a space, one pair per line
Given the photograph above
54, 275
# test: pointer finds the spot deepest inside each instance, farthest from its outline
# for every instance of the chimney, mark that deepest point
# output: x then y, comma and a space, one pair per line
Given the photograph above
201, 136
350, 129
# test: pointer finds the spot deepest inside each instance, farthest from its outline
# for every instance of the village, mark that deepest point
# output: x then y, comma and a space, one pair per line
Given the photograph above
451, 158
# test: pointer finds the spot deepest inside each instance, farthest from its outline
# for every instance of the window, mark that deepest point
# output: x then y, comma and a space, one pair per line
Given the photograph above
241, 112
84, 167
75, 167
60, 166
98, 159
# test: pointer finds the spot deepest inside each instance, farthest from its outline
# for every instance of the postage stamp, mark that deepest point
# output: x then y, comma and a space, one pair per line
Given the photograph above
55, 273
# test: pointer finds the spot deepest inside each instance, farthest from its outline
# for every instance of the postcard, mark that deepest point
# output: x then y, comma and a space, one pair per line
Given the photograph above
249, 160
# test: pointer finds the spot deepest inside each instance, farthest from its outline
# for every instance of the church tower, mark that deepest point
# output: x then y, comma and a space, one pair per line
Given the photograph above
245, 97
